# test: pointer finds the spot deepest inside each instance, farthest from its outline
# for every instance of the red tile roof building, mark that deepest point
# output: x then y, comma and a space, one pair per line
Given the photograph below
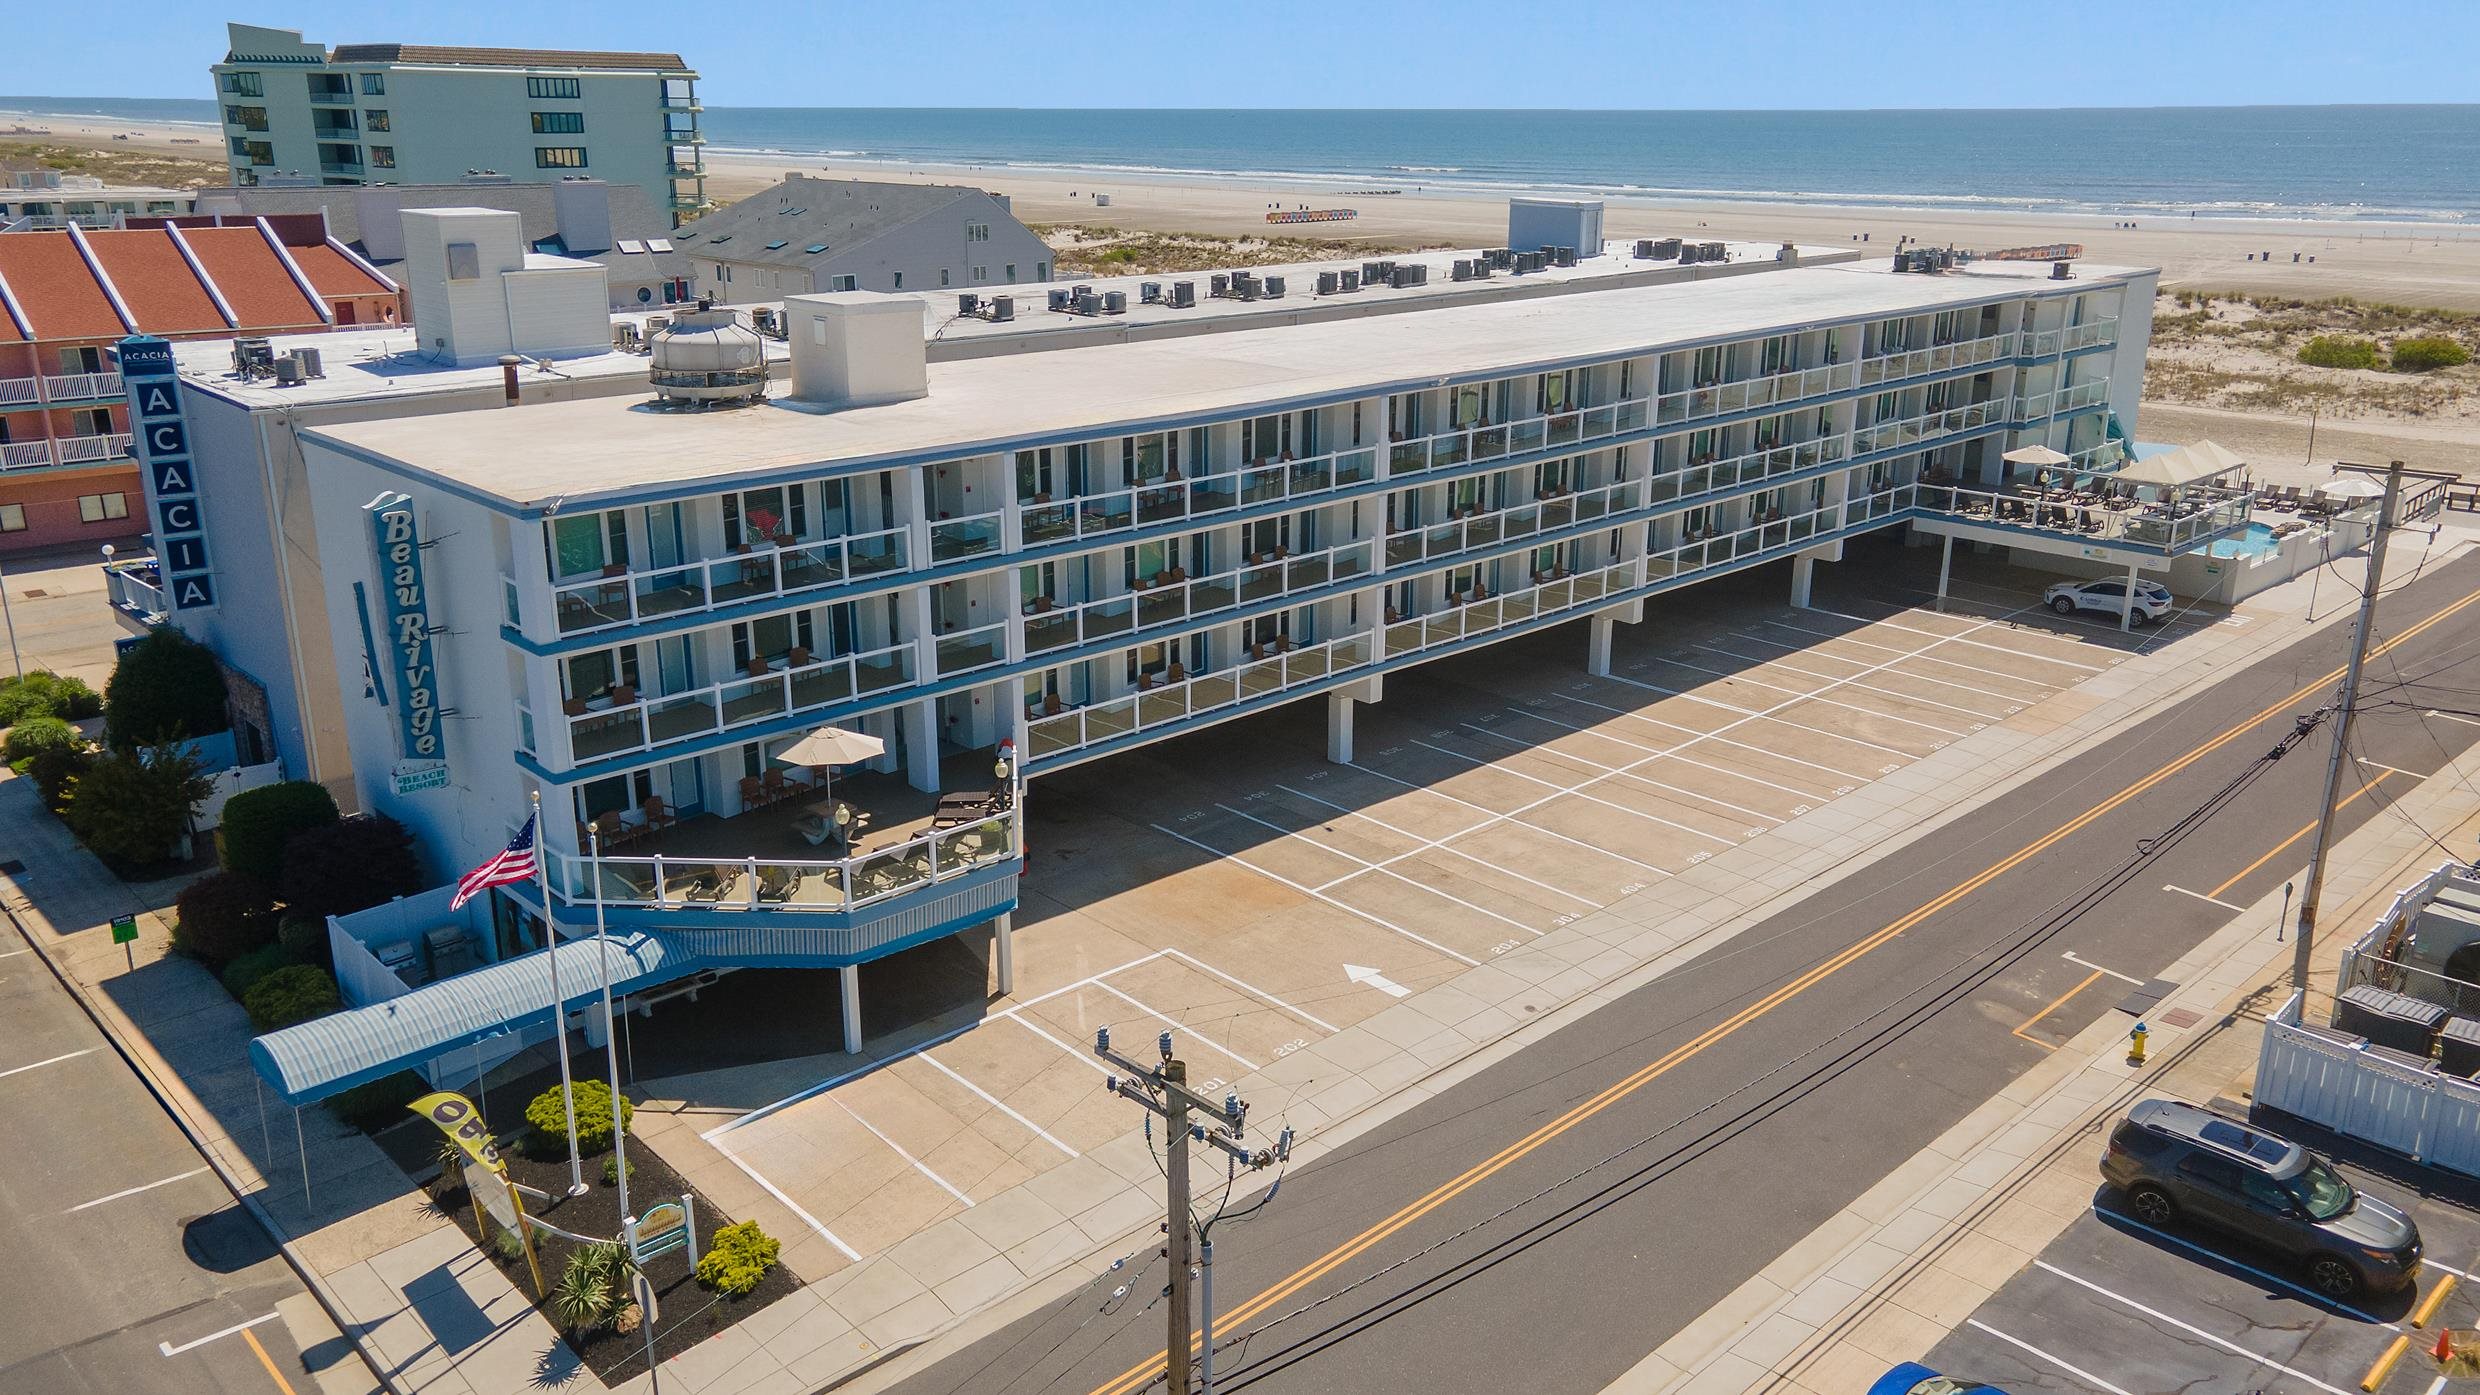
67, 296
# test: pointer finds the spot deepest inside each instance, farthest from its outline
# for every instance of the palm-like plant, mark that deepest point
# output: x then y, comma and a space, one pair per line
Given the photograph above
591, 1287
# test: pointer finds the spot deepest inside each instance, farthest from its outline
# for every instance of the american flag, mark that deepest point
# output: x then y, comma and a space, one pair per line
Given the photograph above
514, 863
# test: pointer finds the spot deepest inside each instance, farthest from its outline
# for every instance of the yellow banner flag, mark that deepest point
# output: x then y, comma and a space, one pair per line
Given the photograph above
458, 1119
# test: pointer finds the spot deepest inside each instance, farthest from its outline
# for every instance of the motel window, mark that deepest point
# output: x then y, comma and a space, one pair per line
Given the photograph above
383, 157
374, 84
557, 87
1041, 271
977, 232
375, 120
899, 280
559, 157
583, 544
943, 276
260, 152
1552, 395
1708, 366
980, 274
245, 84
90, 421
464, 261
12, 518
595, 674
251, 118
1011, 271
559, 123
102, 508
843, 283
596, 798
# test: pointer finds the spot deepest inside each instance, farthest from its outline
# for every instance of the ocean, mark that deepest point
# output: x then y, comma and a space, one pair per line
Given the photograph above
2337, 162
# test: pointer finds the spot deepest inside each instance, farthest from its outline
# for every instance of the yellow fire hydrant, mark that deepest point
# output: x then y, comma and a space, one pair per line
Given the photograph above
2135, 1053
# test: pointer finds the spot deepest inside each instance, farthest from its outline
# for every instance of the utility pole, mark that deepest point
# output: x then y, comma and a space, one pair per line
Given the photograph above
1162, 1090
2304, 944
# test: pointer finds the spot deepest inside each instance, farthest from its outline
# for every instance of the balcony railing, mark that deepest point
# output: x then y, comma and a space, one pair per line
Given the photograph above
1169, 602
134, 588
1754, 467
68, 450
1929, 428
765, 570
1521, 521
966, 651
1718, 399
1697, 554
1170, 500
1471, 444
2197, 514
1175, 703
25, 455
2074, 398
651, 720
766, 884
2044, 343
19, 391
340, 167
962, 539
1938, 358
1480, 617
76, 387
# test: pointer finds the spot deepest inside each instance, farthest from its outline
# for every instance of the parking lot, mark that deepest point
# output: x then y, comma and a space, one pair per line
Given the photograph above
2119, 1307
1236, 888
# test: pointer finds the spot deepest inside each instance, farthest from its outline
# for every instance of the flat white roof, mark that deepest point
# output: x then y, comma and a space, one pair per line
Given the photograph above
614, 447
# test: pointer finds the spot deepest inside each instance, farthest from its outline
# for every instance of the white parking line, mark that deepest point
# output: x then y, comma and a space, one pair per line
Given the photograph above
1436, 845
1683, 760
2190, 1328
2215, 900
1176, 1024
2071, 957
169, 1349
1606, 771
1774, 714
1835, 771
997, 1103
47, 1061
1497, 817
1958, 639
1310, 891
1252, 990
789, 1204
1367, 867
1813, 652
1819, 694
2078, 1372
2217, 1257
13, 953
133, 1191
1973, 712
918, 1165
1628, 772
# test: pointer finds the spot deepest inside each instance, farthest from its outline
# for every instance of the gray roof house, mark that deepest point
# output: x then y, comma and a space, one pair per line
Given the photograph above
811, 234
617, 225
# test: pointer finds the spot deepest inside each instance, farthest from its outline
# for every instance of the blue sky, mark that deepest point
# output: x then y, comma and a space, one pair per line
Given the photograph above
1308, 53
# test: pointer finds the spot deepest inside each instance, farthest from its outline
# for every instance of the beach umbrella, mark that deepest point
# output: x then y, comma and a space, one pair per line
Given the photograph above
2351, 487
829, 747
2041, 456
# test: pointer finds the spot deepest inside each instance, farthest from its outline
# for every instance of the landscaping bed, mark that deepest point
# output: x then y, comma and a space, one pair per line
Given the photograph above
690, 1313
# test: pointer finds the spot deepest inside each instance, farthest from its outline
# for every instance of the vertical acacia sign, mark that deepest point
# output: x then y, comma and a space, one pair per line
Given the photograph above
396, 535
159, 434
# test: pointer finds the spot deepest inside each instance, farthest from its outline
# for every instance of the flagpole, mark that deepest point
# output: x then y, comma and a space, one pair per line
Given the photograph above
611, 1031
559, 1005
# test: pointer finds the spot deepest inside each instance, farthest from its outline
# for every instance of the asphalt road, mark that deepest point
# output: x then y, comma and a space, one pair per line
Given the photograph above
115, 1239
1681, 1138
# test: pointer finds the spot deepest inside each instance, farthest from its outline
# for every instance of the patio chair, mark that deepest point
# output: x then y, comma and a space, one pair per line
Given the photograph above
777, 787
777, 883
657, 813
753, 792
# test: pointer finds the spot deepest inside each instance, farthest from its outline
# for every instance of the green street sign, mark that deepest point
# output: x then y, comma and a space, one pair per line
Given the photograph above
124, 929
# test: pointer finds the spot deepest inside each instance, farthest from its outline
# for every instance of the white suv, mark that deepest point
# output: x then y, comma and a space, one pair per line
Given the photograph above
2152, 599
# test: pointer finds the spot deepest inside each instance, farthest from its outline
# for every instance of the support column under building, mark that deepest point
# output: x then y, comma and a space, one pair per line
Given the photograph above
1946, 566
921, 744
1339, 728
849, 977
1003, 948
2127, 603
1597, 646
1803, 571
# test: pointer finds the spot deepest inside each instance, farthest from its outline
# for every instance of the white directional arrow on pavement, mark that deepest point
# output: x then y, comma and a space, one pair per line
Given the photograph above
1362, 974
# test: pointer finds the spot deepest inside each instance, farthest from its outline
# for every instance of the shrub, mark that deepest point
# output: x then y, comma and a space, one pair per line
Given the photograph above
243, 973
738, 1260
42, 693
166, 688
305, 936
223, 916
378, 1103
592, 1289
289, 995
133, 806
2334, 351
2428, 353
508, 1245
49, 752
611, 1171
258, 823
550, 1120
347, 866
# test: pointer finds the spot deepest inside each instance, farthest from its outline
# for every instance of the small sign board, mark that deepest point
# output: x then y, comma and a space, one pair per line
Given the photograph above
664, 1228
124, 929
405, 777
491, 1192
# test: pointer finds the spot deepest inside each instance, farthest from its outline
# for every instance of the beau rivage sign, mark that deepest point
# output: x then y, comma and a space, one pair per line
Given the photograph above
160, 433
396, 537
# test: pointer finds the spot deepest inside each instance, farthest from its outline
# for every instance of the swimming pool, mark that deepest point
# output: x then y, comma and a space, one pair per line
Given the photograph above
2257, 541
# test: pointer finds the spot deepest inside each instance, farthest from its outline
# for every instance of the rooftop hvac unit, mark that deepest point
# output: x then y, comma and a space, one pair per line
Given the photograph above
253, 355
1716, 252
288, 371
1902, 262
1218, 285
1084, 302
1274, 287
1376, 273
1059, 300
1481, 268
1690, 254
1400, 278
2062, 271
1351, 280
309, 361
1115, 302
1150, 293
966, 304
1002, 309
624, 336
1644, 249
1461, 271
1328, 282
1183, 295
656, 324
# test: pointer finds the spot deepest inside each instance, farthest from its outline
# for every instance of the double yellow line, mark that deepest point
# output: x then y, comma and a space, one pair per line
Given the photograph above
1145, 1373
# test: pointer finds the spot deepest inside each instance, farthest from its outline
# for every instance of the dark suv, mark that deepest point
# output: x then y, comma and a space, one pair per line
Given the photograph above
2176, 1160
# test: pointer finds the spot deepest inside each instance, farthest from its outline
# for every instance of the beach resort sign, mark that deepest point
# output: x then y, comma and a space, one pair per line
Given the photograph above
395, 534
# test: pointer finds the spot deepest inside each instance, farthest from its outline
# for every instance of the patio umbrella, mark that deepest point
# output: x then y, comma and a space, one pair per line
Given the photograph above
2041, 456
829, 747
2351, 487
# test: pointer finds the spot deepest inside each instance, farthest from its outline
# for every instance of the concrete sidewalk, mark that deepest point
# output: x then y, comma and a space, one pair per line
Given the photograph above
1894, 1272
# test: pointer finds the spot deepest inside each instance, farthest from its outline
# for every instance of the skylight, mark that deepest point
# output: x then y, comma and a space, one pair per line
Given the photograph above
815, 248
776, 246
